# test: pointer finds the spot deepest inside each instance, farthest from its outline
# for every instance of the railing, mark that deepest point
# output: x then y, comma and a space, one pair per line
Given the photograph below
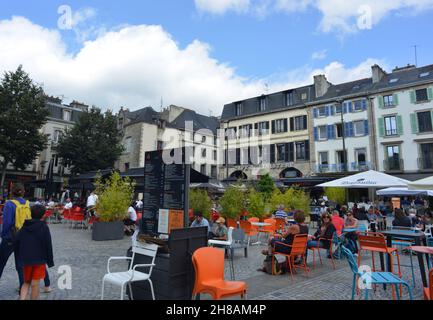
425, 163
360, 166
393, 165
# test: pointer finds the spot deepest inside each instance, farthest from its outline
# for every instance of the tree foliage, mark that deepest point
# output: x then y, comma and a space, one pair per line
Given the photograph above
232, 202
22, 115
92, 144
337, 195
266, 187
114, 197
256, 204
293, 198
199, 201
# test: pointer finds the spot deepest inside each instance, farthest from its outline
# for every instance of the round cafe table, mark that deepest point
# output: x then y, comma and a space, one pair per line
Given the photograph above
259, 225
428, 251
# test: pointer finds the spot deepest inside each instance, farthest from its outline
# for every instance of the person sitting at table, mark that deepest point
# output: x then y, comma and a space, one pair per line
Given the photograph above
372, 218
401, 219
326, 231
338, 222
220, 232
427, 219
299, 227
351, 223
280, 213
200, 221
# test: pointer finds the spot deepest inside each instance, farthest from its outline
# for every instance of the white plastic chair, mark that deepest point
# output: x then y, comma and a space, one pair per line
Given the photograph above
222, 243
132, 275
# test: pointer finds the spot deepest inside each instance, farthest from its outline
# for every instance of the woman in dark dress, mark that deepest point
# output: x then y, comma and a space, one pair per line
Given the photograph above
326, 231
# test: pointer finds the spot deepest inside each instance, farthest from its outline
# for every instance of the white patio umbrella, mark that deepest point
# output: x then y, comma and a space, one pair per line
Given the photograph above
367, 179
423, 184
403, 192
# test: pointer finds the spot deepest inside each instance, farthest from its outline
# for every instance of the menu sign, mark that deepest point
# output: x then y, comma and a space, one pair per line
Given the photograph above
165, 198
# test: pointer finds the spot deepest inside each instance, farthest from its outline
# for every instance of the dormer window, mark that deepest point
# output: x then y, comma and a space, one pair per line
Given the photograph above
290, 101
239, 109
67, 115
393, 80
262, 104
424, 74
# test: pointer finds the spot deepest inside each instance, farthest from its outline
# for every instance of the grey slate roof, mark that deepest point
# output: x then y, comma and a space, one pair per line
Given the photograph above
199, 121
147, 115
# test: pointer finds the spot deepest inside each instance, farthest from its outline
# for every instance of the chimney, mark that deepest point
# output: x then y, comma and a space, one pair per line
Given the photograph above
378, 73
321, 85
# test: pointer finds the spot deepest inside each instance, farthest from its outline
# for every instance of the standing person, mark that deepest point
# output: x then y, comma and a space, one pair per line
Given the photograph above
92, 199
130, 221
65, 195
34, 248
15, 212
68, 204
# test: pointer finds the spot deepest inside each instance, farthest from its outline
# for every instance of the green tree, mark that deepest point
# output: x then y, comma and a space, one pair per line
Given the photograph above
199, 201
294, 198
266, 187
337, 195
256, 204
114, 197
22, 115
232, 202
92, 144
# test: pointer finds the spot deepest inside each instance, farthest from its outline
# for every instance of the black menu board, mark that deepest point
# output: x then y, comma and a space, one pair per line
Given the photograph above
165, 187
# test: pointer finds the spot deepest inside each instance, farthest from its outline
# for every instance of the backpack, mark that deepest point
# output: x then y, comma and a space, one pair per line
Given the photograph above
276, 269
22, 213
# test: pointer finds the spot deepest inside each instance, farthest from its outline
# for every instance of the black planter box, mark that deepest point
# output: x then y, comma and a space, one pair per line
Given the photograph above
104, 231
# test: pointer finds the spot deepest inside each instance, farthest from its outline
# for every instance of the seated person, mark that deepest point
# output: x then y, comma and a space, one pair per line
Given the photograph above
351, 223
401, 219
220, 232
372, 218
287, 238
280, 213
326, 231
200, 221
338, 222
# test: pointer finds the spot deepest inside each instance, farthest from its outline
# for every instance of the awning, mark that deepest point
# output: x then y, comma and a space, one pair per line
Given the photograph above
404, 192
367, 179
423, 184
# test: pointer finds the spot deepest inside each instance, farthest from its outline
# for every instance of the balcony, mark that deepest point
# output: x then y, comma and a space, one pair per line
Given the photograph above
393, 165
425, 163
360, 166
341, 167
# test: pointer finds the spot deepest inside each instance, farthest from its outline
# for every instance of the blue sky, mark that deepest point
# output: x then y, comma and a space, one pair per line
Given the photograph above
274, 45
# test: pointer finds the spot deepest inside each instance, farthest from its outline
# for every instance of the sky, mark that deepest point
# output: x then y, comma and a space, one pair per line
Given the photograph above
203, 54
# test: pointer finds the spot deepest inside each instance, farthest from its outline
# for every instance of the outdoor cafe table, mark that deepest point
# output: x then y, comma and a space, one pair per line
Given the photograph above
419, 239
259, 225
423, 250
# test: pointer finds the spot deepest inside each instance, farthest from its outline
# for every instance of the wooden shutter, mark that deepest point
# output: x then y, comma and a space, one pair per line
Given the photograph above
364, 104
395, 99
380, 102
366, 128
307, 150
291, 151
273, 126
316, 134
414, 123
305, 123
292, 124
286, 125
272, 153
400, 125
430, 93
381, 127
412, 97
315, 113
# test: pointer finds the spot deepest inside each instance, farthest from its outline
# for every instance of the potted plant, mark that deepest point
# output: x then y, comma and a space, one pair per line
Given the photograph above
232, 202
256, 204
114, 198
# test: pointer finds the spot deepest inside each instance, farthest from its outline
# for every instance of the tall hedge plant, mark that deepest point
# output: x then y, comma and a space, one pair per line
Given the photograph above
199, 201
232, 202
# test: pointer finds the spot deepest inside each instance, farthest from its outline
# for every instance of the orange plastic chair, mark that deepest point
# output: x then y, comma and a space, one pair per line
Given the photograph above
248, 229
428, 292
298, 248
376, 243
318, 248
280, 225
269, 230
231, 223
209, 275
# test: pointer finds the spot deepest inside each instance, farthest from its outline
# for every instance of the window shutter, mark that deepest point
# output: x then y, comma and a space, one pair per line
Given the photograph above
267, 125
414, 123
345, 107
286, 125
307, 150
366, 128
315, 113
292, 124
316, 134
380, 102
430, 93
305, 123
291, 152
256, 128
364, 104
346, 129
350, 106
431, 117
400, 125
238, 156
351, 130
273, 126
250, 130
412, 97
272, 153
395, 99
329, 131
327, 111
332, 109
381, 127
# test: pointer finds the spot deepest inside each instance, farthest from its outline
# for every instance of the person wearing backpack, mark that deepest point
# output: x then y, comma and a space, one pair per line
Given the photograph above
15, 212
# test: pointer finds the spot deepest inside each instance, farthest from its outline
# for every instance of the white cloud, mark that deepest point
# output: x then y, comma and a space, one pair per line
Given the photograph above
319, 55
340, 16
222, 6
136, 65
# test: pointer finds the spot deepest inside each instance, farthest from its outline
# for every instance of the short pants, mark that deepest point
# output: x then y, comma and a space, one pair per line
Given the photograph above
32, 273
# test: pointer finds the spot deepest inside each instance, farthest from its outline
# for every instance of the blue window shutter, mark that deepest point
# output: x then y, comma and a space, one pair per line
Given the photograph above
346, 129
332, 110
366, 127
364, 104
350, 104
329, 129
345, 107
351, 129
327, 111
315, 113
316, 134
334, 133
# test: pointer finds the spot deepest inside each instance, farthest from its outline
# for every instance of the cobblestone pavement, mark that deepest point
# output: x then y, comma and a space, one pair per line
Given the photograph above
88, 260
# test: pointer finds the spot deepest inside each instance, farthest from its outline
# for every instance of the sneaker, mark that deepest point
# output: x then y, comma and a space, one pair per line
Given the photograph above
46, 290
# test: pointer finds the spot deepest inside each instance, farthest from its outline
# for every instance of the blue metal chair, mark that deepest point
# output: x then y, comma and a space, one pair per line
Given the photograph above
406, 243
373, 278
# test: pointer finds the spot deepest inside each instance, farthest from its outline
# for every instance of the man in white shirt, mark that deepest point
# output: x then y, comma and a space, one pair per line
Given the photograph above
130, 221
68, 204
139, 204
91, 203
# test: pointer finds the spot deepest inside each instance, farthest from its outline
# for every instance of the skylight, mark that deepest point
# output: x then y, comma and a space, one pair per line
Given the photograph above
393, 80
424, 74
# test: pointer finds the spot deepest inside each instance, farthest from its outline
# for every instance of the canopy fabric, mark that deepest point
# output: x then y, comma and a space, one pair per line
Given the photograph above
423, 184
404, 192
367, 179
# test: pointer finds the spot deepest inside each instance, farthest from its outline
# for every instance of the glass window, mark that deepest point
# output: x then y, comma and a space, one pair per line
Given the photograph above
393, 157
427, 155
67, 115
304, 96
244, 131
203, 169
128, 144
390, 126
213, 172
338, 108
421, 95
281, 152
231, 133
323, 133
203, 153
359, 128
424, 121
357, 105
279, 126
339, 130
322, 111
290, 101
299, 123
263, 128
57, 135
262, 104
203, 139
239, 108
388, 101
323, 158
301, 151
215, 155
361, 155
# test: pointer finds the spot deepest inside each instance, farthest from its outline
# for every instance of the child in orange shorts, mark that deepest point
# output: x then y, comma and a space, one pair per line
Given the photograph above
34, 249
